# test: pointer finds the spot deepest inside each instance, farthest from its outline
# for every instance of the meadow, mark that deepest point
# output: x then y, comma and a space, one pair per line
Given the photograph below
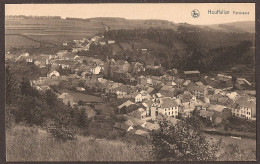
47, 30
82, 96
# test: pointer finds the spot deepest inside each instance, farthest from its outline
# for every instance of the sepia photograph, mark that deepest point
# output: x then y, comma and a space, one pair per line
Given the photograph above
130, 82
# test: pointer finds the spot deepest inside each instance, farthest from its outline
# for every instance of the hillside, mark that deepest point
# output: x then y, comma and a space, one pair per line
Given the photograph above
34, 144
242, 26
57, 31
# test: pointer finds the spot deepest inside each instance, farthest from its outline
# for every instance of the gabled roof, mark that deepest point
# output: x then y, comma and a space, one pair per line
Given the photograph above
141, 133
65, 95
217, 108
127, 103
122, 126
167, 88
206, 113
151, 126
129, 122
178, 80
244, 102
199, 83
191, 72
186, 97
149, 90
168, 102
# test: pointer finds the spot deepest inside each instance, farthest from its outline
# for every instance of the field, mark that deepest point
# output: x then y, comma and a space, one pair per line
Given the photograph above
82, 96
48, 30
25, 144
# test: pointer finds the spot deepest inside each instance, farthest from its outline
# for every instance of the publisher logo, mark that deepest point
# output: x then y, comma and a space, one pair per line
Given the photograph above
195, 13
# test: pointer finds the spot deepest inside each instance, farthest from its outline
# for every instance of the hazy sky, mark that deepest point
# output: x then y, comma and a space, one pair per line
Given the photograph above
178, 13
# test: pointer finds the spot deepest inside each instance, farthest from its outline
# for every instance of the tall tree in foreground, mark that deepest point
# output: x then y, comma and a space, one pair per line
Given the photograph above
181, 142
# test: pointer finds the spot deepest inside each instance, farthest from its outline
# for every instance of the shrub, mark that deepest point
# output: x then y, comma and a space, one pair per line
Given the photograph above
59, 132
181, 142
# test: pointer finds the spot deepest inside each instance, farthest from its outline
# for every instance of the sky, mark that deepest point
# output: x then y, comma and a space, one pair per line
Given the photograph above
178, 13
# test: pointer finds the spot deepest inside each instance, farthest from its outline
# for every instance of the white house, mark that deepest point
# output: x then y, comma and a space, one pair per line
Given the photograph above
166, 106
95, 70
138, 97
247, 109
110, 41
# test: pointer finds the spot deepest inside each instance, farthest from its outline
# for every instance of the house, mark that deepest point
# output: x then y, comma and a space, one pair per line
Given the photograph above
242, 83
95, 70
61, 53
192, 75
142, 133
207, 114
220, 111
166, 106
137, 96
225, 81
53, 73
123, 65
187, 101
173, 71
167, 91
110, 42
147, 106
149, 90
124, 127
199, 91
246, 109
136, 67
66, 98
179, 82
29, 61
151, 126
80, 89
125, 104
141, 80
144, 51
140, 113
154, 70
102, 43
145, 95
233, 96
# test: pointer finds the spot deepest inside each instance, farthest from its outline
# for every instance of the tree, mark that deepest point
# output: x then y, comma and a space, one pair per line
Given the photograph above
50, 97
27, 89
181, 142
11, 86
82, 118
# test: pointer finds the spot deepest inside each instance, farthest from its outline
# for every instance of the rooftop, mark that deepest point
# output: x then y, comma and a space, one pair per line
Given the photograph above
191, 72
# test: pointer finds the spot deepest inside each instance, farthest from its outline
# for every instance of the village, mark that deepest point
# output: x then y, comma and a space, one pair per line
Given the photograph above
136, 90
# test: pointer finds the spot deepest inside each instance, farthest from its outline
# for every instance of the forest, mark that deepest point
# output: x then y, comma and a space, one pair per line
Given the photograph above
205, 50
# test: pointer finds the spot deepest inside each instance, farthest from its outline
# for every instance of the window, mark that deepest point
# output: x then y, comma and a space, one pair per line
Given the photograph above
175, 112
249, 113
172, 112
165, 109
169, 113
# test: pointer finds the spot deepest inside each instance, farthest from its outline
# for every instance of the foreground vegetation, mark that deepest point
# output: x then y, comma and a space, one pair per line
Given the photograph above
33, 144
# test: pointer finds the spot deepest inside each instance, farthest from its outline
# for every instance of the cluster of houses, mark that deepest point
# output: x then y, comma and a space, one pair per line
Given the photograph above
148, 97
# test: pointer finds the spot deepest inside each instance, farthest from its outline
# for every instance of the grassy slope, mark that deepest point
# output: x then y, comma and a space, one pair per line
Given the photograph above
24, 144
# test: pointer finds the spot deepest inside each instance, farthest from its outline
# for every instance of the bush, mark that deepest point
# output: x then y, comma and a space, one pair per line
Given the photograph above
181, 142
59, 132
